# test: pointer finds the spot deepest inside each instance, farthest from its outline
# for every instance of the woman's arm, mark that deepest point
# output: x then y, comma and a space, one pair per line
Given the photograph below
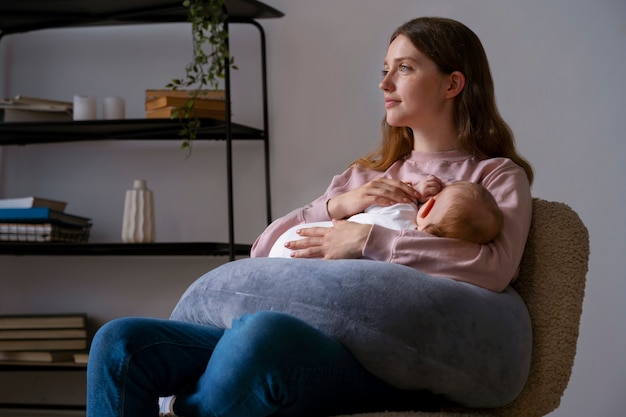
312, 212
348, 194
492, 266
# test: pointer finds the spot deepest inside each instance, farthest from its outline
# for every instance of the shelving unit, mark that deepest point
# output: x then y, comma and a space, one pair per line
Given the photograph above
18, 16
11, 367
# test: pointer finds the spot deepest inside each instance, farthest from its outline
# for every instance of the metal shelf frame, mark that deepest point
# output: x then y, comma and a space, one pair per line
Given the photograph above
17, 17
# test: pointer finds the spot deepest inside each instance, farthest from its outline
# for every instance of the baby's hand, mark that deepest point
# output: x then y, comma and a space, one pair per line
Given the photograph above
428, 187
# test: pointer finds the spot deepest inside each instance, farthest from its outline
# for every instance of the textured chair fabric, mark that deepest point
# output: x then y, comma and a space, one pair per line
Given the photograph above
552, 283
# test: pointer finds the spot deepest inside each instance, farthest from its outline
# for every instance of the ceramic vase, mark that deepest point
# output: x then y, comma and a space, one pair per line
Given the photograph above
138, 223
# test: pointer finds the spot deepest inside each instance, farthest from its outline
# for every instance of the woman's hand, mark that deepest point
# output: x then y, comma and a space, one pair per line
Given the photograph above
345, 240
380, 192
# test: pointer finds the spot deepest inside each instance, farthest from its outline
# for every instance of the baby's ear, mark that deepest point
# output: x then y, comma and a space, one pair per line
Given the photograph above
427, 207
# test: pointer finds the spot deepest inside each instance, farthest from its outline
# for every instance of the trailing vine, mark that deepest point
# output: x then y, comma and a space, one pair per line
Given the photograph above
210, 59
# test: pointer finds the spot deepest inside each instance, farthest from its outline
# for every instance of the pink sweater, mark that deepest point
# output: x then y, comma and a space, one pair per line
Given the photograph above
492, 266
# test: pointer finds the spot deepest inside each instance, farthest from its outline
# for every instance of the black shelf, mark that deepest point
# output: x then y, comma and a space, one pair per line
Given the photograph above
22, 133
64, 407
41, 366
30, 15
124, 249
19, 133
11, 366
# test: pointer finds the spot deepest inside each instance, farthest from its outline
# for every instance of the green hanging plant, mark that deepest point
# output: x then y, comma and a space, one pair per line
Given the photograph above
209, 62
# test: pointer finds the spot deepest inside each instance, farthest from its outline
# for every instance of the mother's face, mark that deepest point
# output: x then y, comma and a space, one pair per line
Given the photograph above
414, 88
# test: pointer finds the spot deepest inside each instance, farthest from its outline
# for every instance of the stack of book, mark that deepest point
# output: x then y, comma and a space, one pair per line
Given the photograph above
32, 109
43, 338
167, 104
35, 219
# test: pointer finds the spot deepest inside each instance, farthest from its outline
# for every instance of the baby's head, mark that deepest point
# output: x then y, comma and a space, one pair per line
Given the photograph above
462, 210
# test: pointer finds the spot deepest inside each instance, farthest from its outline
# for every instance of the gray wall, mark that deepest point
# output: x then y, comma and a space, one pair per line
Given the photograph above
558, 72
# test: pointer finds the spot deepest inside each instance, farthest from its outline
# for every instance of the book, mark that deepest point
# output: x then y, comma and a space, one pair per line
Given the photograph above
41, 215
29, 202
81, 357
37, 356
36, 101
44, 321
169, 112
17, 334
43, 232
34, 114
33, 109
199, 103
205, 94
43, 344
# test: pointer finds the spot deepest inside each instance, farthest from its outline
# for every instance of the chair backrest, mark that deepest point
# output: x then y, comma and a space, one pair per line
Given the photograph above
552, 283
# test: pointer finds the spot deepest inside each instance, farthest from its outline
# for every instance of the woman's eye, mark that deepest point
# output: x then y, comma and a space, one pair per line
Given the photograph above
384, 73
404, 68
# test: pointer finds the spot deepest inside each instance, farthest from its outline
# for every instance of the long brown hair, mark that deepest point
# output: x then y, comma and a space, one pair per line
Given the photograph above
481, 130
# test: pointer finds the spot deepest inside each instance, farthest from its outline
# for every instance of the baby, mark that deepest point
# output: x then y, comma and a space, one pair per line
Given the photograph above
461, 210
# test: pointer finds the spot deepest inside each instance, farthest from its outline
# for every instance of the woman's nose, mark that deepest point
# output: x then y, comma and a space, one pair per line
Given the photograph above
385, 83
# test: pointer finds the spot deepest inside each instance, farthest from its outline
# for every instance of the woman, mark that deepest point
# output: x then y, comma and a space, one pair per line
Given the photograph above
442, 321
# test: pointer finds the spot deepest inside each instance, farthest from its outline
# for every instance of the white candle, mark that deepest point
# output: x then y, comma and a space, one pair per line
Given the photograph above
85, 107
113, 108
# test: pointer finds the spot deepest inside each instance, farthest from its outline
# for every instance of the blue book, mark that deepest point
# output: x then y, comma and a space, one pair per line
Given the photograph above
41, 215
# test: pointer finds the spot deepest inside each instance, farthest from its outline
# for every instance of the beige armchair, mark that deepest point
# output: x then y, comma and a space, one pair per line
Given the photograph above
552, 282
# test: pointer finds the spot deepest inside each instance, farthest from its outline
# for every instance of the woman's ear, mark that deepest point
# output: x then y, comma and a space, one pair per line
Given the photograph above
457, 83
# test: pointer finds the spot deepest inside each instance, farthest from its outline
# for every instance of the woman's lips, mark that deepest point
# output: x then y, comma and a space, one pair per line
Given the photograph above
391, 102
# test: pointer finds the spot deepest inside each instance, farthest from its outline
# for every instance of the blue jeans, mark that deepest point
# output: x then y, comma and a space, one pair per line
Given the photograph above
268, 364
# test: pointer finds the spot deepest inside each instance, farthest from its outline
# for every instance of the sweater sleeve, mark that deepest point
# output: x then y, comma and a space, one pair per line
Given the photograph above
492, 266
313, 212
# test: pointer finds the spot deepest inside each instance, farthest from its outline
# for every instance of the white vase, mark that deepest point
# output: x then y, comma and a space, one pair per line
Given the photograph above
138, 223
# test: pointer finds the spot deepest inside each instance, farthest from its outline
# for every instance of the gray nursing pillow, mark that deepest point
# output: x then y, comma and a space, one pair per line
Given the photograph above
410, 329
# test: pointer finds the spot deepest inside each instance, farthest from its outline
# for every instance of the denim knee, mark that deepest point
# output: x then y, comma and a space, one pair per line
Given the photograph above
111, 336
270, 335
118, 331
121, 337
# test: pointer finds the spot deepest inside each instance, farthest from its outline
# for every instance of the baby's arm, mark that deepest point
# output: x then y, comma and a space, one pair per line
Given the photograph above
428, 187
